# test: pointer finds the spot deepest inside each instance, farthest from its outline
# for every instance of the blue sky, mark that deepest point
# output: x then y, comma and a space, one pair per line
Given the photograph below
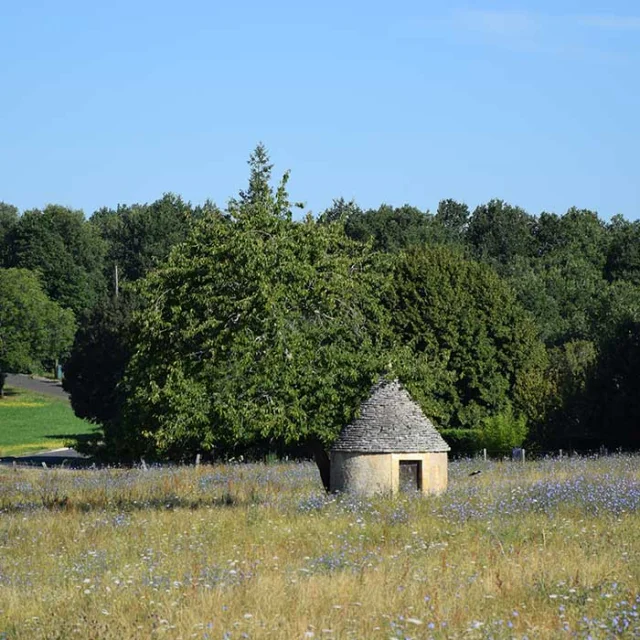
409, 101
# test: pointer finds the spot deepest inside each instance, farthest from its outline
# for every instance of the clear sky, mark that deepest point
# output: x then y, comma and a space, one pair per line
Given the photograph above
411, 101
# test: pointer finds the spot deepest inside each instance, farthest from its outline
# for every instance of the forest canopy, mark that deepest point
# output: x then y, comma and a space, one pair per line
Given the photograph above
252, 329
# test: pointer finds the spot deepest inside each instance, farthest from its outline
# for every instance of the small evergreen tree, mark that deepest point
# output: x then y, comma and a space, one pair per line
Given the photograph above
94, 371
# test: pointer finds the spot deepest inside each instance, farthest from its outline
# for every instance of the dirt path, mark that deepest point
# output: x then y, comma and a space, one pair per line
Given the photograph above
39, 385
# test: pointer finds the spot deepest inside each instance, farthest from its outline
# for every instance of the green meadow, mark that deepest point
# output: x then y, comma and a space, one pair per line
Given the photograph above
32, 422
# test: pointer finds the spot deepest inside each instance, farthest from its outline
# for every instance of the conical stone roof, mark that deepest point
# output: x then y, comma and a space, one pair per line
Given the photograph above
390, 422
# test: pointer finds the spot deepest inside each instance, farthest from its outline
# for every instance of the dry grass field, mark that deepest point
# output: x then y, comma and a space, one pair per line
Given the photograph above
547, 549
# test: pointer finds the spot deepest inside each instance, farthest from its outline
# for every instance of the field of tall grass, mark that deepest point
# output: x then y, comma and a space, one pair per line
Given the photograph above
547, 549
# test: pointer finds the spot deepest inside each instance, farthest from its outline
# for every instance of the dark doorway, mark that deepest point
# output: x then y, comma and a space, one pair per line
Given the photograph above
410, 475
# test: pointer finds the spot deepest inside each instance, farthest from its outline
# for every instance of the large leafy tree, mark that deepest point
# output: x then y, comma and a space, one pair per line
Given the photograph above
477, 353
611, 398
578, 232
140, 236
61, 245
390, 228
8, 220
563, 284
623, 258
564, 292
571, 367
256, 327
34, 330
340, 211
452, 221
499, 232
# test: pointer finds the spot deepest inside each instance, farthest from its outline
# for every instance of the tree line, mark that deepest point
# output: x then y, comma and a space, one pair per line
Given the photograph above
246, 330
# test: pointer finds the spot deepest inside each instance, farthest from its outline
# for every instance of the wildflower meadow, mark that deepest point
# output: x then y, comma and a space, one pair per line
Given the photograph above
544, 549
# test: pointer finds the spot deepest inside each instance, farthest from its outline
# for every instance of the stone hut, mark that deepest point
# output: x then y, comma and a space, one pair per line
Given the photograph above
391, 447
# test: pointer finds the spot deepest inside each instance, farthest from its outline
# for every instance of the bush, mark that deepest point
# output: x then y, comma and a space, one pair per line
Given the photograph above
503, 431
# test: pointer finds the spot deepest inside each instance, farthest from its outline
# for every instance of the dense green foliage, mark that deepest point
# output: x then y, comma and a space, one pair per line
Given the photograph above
390, 229
67, 252
8, 220
34, 330
75, 260
261, 330
101, 351
139, 237
498, 232
479, 350
257, 327
611, 394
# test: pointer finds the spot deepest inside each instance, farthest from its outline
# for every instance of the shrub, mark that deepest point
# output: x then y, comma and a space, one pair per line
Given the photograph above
502, 431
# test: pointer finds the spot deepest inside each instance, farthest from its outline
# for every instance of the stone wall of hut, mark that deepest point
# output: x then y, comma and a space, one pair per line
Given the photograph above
379, 473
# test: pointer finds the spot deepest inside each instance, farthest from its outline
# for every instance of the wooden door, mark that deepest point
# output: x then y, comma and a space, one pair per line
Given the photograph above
410, 475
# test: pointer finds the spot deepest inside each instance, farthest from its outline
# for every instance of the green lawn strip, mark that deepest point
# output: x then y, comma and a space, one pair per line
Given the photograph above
32, 422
